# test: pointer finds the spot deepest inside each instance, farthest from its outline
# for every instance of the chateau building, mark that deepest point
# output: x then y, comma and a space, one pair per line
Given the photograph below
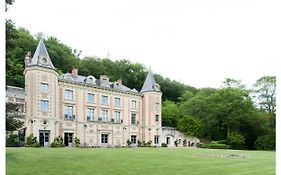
95, 110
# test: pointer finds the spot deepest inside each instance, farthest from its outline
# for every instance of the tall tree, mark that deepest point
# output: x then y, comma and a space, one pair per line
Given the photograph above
12, 124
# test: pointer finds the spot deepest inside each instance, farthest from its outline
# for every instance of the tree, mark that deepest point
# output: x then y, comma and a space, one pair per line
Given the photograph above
12, 124
190, 126
8, 3
170, 114
264, 92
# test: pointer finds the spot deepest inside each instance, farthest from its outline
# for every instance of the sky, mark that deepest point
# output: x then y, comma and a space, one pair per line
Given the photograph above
198, 43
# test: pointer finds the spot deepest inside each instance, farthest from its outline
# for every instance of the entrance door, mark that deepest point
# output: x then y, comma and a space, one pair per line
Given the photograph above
68, 138
44, 137
104, 140
168, 140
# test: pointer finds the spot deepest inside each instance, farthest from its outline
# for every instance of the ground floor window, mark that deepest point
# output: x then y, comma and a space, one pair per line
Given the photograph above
156, 139
168, 140
133, 139
104, 138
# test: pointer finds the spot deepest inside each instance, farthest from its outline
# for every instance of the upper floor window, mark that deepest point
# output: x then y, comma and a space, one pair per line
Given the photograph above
157, 106
134, 103
117, 102
68, 112
91, 98
44, 105
104, 115
68, 94
90, 114
156, 118
117, 116
104, 100
133, 119
44, 87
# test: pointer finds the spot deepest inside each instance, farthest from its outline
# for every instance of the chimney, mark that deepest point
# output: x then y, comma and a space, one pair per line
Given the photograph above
104, 77
119, 81
74, 72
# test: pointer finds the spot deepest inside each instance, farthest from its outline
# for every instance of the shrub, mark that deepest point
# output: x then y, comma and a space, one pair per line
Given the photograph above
12, 141
129, 143
266, 142
164, 145
58, 142
235, 140
77, 142
31, 140
184, 142
176, 142
36, 145
202, 145
217, 146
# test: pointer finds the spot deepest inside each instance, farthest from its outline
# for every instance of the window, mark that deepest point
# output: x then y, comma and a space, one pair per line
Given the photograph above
117, 102
117, 116
134, 104
91, 98
156, 139
104, 138
68, 112
104, 100
157, 106
44, 87
133, 119
156, 118
104, 115
133, 139
90, 114
44, 105
68, 94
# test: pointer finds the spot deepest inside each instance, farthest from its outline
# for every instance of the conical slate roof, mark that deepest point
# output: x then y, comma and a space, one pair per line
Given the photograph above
40, 55
149, 84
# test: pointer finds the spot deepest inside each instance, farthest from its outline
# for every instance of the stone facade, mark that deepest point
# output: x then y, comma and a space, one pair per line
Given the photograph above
97, 111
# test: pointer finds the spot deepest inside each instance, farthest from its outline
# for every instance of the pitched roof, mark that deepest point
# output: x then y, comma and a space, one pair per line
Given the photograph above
41, 52
149, 83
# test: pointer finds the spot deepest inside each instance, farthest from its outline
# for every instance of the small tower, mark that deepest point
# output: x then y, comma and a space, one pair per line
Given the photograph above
41, 84
152, 99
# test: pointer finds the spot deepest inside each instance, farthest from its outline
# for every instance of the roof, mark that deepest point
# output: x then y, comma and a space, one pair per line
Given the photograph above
40, 53
150, 84
90, 80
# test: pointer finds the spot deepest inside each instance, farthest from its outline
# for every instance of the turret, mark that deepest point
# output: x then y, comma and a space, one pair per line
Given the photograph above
151, 110
41, 90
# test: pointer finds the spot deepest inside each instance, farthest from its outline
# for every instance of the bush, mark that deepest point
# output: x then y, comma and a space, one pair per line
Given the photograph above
202, 145
266, 142
58, 142
164, 145
36, 145
31, 140
12, 141
235, 140
217, 146
77, 142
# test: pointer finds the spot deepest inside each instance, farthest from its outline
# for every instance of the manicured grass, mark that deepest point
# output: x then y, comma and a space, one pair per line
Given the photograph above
170, 161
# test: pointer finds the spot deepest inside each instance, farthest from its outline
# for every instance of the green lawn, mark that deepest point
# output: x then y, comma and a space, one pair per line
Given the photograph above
170, 161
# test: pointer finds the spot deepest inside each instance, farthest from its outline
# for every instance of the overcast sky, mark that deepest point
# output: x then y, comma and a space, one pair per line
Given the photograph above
197, 42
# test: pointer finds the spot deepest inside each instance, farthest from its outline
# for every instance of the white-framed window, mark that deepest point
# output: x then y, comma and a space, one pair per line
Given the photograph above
44, 106
104, 115
133, 119
117, 102
68, 112
104, 100
104, 138
117, 116
90, 114
133, 139
134, 104
156, 139
68, 94
44, 87
156, 118
157, 106
91, 98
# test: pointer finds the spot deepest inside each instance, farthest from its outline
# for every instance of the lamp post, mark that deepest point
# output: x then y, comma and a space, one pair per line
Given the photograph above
124, 129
